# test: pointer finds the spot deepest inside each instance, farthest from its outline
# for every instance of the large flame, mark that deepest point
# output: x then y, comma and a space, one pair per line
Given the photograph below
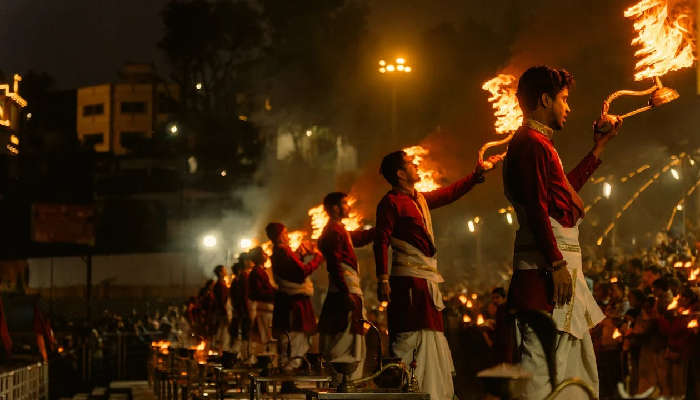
295, 238
267, 248
427, 176
319, 219
664, 37
509, 117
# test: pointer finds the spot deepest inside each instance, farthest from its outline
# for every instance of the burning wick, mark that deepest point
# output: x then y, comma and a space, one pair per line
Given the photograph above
469, 304
480, 320
384, 304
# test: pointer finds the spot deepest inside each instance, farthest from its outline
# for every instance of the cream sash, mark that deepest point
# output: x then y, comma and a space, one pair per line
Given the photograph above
582, 312
409, 261
427, 219
352, 280
292, 288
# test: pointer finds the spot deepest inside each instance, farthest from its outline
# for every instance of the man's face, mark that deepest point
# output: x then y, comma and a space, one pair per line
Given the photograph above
222, 273
344, 208
409, 172
497, 299
559, 109
284, 237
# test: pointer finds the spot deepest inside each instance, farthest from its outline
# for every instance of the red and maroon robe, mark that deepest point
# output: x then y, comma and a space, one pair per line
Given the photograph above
337, 244
292, 313
534, 179
260, 287
398, 215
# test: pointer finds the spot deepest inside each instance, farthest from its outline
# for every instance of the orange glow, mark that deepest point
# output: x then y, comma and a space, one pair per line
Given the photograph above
267, 248
60, 349
613, 279
319, 219
469, 304
227, 281
665, 38
201, 346
463, 299
295, 238
694, 274
674, 303
427, 176
480, 320
685, 312
693, 324
385, 304
509, 117
466, 319
161, 344
678, 264
616, 334
474, 295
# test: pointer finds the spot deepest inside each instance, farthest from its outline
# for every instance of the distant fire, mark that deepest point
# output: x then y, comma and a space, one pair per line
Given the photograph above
427, 176
616, 334
319, 219
674, 303
665, 38
694, 274
267, 248
463, 299
466, 319
480, 320
693, 324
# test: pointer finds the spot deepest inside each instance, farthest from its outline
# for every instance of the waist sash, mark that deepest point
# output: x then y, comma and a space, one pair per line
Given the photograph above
292, 288
352, 280
407, 260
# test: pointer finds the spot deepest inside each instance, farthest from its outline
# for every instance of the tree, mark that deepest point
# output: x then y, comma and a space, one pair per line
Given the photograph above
212, 47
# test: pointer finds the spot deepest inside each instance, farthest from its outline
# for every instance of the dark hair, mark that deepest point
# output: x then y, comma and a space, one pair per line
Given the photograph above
661, 283
273, 230
638, 294
333, 199
257, 256
391, 163
539, 80
500, 291
653, 269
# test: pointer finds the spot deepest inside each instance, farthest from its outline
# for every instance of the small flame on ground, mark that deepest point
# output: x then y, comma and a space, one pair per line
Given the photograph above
427, 177
469, 304
613, 279
480, 320
616, 334
693, 324
463, 299
466, 319
673, 303
665, 38
508, 114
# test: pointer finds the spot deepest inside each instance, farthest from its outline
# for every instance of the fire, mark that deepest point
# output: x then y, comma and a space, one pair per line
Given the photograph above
673, 303
474, 295
227, 281
685, 312
295, 238
694, 274
319, 219
384, 304
161, 344
466, 319
509, 117
480, 320
693, 324
463, 299
427, 176
678, 264
613, 279
267, 248
200, 346
616, 334
664, 37
469, 304
212, 353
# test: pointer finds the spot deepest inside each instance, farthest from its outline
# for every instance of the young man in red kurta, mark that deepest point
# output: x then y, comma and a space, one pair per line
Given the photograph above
415, 301
547, 253
222, 310
342, 334
293, 314
262, 296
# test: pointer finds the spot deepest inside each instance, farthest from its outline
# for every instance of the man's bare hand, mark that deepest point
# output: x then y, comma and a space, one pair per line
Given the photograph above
383, 291
563, 290
605, 128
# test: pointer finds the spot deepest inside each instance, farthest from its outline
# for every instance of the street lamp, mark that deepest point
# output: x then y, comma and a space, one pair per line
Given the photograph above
209, 241
471, 226
399, 66
198, 86
173, 129
607, 190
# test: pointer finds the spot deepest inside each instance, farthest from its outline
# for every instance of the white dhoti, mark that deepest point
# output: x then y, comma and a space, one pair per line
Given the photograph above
344, 347
261, 317
573, 350
299, 347
434, 366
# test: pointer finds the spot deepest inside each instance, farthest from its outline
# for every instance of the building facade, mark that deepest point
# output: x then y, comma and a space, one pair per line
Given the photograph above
117, 117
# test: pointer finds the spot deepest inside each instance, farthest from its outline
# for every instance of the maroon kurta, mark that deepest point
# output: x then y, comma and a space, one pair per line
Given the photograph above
534, 180
337, 248
240, 292
220, 297
260, 287
398, 215
292, 313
